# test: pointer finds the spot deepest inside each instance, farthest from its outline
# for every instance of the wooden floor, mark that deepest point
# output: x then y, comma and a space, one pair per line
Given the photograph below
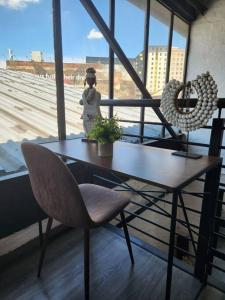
112, 276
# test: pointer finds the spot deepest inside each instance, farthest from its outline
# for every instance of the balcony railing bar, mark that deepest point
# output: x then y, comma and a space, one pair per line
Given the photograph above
218, 253
166, 215
174, 141
220, 221
153, 223
220, 235
146, 220
143, 191
148, 234
169, 202
185, 252
217, 267
187, 208
199, 195
153, 103
159, 240
156, 123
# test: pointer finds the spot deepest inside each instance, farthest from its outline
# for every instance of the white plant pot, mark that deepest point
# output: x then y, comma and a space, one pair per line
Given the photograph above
105, 150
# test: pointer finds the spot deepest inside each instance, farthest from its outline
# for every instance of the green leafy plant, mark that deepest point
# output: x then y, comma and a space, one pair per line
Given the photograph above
106, 130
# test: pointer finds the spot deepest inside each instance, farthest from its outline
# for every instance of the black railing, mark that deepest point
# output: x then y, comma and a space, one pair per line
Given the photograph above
152, 201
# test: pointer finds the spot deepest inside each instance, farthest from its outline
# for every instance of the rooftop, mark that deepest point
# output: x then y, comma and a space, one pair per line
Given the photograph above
27, 102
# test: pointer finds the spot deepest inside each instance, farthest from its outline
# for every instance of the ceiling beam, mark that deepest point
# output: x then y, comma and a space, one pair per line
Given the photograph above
197, 5
181, 8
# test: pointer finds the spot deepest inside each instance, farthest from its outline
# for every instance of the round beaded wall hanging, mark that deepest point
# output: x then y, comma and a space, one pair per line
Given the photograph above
206, 90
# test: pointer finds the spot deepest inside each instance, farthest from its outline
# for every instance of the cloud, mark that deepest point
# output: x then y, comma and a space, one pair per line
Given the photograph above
94, 35
17, 4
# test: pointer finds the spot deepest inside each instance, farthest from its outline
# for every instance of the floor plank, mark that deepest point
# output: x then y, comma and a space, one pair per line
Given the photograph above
112, 276
210, 293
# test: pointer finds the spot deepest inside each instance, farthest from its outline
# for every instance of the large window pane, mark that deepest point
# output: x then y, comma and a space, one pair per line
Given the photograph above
130, 35
83, 47
27, 79
180, 33
157, 60
158, 48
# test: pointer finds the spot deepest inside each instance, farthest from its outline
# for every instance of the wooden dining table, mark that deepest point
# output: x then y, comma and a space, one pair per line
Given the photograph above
157, 167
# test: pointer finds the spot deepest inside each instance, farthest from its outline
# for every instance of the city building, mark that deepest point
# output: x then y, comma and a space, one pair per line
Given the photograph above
157, 66
37, 56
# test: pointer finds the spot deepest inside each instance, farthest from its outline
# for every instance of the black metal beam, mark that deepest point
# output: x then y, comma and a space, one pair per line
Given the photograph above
146, 40
216, 138
153, 103
209, 203
169, 52
59, 69
145, 61
96, 17
187, 54
111, 55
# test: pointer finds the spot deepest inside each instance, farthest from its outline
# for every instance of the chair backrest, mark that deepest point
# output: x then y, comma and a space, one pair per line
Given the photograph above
54, 186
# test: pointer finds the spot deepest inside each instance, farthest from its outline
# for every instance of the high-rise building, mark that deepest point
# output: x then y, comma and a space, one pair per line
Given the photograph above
37, 56
157, 65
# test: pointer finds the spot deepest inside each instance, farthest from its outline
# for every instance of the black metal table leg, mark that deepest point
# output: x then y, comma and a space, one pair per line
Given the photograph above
171, 244
187, 221
206, 222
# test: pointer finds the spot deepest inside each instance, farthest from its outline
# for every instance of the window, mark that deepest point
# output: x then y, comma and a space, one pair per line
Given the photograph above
180, 33
27, 88
130, 36
83, 47
158, 41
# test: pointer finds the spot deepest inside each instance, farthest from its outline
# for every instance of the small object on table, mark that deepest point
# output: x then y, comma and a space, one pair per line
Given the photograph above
87, 140
187, 154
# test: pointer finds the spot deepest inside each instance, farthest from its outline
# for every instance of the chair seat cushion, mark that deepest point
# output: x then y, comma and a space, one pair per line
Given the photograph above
103, 204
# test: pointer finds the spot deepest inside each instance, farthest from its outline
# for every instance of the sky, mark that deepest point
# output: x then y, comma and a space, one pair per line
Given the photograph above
26, 25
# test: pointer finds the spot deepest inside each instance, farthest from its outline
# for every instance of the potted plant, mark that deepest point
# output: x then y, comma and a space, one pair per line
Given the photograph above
106, 132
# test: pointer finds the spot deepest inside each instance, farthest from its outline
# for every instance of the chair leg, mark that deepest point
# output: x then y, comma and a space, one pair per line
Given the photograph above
40, 232
48, 229
86, 262
126, 233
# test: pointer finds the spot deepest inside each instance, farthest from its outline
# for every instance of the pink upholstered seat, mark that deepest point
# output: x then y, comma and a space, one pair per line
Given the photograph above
102, 203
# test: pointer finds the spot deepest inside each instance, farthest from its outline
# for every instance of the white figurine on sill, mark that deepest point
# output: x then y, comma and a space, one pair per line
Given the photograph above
91, 101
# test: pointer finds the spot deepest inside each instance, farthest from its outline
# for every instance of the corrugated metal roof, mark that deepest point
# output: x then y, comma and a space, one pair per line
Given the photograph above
28, 112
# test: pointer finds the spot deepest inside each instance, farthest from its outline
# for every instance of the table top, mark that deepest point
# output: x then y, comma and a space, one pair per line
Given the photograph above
155, 166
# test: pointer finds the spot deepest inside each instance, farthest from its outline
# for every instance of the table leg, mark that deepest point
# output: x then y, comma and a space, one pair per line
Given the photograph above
206, 222
171, 245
